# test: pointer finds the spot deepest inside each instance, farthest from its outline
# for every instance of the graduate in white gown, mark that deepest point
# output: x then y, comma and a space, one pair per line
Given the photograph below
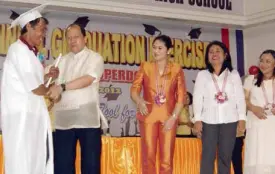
260, 134
27, 137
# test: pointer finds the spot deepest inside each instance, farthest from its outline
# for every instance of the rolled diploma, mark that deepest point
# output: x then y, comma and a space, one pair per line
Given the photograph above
56, 65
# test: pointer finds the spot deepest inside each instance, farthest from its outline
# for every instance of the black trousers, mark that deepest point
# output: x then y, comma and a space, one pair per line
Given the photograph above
237, 159
217, 139
65, 150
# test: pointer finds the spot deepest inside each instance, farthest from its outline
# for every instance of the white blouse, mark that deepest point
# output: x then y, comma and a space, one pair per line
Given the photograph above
257, 98
205, 106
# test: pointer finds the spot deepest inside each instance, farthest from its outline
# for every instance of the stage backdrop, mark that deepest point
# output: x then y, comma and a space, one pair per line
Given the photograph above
124, 43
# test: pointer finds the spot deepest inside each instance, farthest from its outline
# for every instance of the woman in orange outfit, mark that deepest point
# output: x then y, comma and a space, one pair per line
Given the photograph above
164, 94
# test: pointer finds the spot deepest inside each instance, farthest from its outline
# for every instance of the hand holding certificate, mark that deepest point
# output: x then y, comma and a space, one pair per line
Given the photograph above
56, 65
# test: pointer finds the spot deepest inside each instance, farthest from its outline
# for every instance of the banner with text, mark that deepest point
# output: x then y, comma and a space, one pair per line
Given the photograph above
216, 6
124, 44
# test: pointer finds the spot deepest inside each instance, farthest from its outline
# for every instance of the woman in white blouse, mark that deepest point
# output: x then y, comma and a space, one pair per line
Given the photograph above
219, 108
260, 134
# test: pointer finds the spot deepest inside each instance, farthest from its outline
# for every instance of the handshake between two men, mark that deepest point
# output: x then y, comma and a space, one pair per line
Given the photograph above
53, 94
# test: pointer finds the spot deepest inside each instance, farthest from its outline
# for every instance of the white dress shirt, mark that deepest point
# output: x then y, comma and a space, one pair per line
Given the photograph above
205, 106
79, 108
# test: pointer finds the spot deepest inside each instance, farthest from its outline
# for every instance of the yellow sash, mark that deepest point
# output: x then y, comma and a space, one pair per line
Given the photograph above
50, 105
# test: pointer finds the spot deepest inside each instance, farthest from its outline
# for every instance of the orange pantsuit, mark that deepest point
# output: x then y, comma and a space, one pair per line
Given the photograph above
151, 125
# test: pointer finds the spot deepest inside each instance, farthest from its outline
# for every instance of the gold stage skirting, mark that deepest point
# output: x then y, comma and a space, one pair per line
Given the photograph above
122, 156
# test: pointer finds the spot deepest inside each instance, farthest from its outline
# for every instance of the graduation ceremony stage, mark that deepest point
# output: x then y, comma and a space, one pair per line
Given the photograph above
121, 155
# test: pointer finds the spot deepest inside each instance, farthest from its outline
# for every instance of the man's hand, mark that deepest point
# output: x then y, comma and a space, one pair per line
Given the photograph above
53, 72
55, 92
58, 99
41, 90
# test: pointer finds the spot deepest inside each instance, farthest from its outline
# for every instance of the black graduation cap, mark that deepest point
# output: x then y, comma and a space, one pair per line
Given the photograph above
195, 33
14, 15
150, 29
82, 21
111, 96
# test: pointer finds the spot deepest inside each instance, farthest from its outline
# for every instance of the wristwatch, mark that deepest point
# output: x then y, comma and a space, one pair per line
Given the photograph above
63, 86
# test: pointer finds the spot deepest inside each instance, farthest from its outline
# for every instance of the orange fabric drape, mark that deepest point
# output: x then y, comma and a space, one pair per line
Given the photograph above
122, 156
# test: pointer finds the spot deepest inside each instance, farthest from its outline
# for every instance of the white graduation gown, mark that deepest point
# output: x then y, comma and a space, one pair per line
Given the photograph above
24, 116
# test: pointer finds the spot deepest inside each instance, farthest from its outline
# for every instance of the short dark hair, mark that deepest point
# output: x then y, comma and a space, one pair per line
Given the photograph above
165, 39
82, 29
260, 75
227, 62
190, 98
33, 23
